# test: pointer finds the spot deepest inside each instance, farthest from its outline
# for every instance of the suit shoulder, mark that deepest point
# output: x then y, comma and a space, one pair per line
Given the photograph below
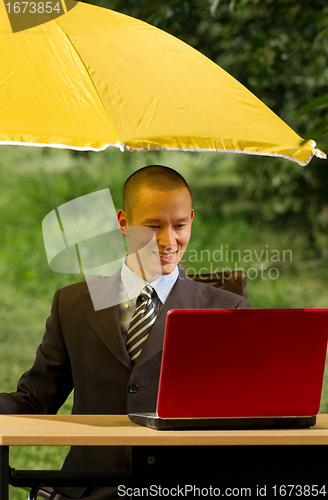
74, 289
74, 294
101, 291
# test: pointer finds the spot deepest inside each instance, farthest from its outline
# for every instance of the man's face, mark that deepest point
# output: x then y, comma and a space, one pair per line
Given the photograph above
169, 215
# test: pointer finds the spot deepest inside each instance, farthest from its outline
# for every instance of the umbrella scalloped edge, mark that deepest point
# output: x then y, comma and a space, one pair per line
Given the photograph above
314, 152
121, 146
62, 146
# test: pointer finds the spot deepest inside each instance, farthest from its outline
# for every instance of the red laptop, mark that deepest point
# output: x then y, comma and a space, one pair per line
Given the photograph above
247, 368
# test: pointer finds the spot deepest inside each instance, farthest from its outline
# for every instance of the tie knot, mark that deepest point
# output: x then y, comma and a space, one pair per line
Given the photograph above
147, 293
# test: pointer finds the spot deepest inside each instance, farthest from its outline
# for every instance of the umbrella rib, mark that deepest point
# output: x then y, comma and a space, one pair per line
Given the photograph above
91, 80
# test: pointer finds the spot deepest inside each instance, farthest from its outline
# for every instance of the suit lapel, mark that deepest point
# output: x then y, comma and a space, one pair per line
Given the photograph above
105, 322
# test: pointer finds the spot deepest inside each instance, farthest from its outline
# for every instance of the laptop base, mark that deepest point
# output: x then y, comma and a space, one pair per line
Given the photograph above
155, 422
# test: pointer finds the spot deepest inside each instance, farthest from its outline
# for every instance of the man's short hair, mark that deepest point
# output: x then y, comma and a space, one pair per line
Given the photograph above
157, 177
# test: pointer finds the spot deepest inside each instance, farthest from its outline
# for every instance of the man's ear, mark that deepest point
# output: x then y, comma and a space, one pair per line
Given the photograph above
122, 222
192, 215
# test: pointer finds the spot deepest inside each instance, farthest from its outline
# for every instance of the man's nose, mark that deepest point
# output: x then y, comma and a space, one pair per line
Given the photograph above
166, 238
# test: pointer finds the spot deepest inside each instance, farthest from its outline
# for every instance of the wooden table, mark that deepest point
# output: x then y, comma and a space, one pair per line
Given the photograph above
116, 430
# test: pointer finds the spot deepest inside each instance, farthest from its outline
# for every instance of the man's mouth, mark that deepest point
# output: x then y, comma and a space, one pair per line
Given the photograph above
166, 256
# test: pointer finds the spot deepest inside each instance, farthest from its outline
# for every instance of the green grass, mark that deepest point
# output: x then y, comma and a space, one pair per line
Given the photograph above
35, 181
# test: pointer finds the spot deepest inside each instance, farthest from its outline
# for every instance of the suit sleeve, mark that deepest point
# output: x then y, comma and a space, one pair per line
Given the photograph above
243, 303
45, 387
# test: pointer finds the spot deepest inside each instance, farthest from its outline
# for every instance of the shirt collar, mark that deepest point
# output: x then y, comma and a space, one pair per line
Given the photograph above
133, 283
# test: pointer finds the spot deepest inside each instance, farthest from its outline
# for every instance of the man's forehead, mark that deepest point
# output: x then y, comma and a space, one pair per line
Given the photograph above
145, 192
156, 204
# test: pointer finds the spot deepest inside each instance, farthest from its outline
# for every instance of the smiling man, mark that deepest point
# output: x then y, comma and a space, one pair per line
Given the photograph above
111, 357
157, 198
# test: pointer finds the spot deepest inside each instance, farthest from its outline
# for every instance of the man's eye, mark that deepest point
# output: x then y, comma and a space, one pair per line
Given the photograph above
180, 226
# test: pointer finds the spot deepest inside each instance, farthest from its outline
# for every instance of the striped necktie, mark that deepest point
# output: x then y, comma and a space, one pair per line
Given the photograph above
141, 323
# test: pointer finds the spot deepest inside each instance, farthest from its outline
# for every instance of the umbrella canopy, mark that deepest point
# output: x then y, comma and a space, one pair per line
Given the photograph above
94, 78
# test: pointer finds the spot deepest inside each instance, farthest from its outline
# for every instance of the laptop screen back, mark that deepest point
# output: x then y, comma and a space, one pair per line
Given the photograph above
243, 363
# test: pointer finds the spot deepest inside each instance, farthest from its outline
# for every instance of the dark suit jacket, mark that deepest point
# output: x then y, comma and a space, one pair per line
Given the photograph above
83, 349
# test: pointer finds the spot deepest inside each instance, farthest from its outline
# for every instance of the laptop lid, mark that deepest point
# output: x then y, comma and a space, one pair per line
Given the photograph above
242, 363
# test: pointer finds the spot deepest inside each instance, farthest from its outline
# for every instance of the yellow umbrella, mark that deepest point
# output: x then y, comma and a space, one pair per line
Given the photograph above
94, 78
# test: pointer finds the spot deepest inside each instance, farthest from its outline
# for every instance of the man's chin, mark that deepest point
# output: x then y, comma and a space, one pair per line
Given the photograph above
153, 267
168, 268
150, 274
